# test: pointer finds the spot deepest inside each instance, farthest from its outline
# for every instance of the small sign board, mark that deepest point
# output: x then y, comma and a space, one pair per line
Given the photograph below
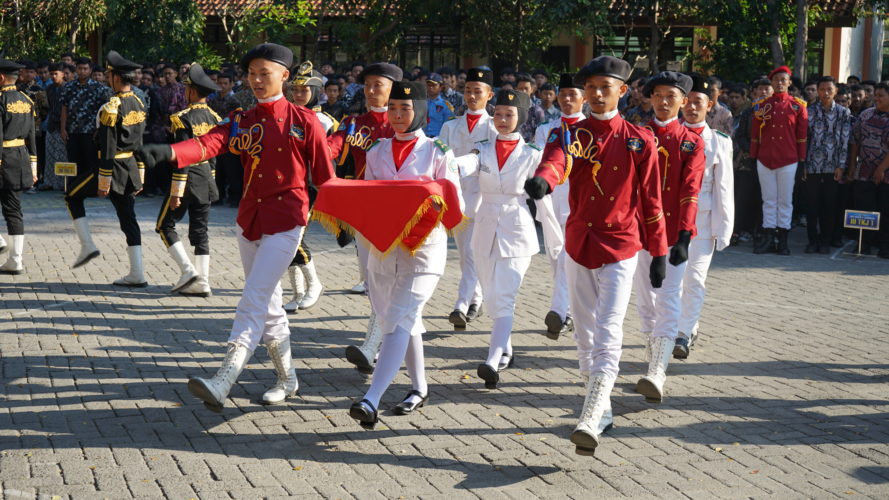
66, 169
856, 219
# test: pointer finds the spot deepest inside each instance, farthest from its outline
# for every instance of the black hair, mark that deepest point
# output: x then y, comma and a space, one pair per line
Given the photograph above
856, 88
882, 85
42, 64
736, 88
715, 81
11, 75
824, 79
226, 74
80, 61
547, 86
69, 67
525, 77
128, 78
869, 82
66, 54
444, 70
762, 82
331, 82
844, 89
98, 68
57, 67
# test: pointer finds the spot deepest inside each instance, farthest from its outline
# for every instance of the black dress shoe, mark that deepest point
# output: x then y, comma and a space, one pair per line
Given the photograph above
474, 311
836, 242
489, 374
811, 248
458, 319
554, 325
406, 408
510, 360
365, 413
825, 249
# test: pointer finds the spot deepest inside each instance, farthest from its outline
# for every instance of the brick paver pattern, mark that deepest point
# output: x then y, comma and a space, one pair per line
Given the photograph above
784, 396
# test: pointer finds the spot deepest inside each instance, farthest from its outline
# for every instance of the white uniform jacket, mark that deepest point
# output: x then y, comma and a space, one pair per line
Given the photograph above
427, 161
716, 201
559, 195
503, 224
455, 133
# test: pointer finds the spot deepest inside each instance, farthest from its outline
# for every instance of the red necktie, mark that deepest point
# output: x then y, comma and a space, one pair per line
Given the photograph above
504, 149
400, 150
471, 120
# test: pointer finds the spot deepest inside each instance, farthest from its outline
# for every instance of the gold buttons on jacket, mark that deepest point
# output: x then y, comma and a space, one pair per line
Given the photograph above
615, 167
612, 198
279, 150
668, 188
609, 224
592, 197
589, 224
668, 214
279, 198
280, 119
259, 200
263, 120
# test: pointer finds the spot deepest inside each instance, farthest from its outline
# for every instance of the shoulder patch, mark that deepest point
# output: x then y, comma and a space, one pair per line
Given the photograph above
801, 101
532, 146
373, 144
553, 135
442, 146
687, 146
720, 132
634, 144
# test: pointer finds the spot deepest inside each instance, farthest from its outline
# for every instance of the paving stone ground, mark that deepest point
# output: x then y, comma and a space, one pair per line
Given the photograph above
785, 395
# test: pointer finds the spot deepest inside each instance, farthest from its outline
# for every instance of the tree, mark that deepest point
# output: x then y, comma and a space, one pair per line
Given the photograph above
802, 39
43, 28
165, 30
246, 24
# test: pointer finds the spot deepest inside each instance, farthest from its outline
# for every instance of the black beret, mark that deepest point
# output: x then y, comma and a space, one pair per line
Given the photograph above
669, 78
482, 75
308, 77
7, 66
408, 91
196, 77
385, 70
566, 81
270, 52
115, 62
699, 84
515, 98
604, 66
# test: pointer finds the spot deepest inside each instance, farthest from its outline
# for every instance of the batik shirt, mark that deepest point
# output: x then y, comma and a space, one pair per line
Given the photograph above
828, 138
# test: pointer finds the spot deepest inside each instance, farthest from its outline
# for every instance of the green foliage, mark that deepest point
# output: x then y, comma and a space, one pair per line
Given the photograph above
40, 29
155, 30
272, 22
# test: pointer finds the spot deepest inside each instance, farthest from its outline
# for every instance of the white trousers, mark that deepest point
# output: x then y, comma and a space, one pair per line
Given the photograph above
560, 302
700, 254
659, 308
260, 315
501, 278
470, 290
599, 299
777, 195
398, 300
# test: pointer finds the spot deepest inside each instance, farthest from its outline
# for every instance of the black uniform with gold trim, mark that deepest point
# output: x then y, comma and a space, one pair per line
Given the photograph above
195, 184
18, 163
121, 122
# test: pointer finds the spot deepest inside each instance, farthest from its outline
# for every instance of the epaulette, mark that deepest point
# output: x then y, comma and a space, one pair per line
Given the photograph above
483, 141
758, 101
451, 118
216, 116
720, 132
176, 120
442, 146
373, 144
801, 101
533, 146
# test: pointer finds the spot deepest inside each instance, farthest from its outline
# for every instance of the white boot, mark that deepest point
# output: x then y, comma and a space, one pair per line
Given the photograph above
213, 392
359, 288
647, 355
136, 277
652, 385
314, 289
14, 261
287, 385
2, 244
201, 286
298, 286
364, 357
88, 250
596, 416
188, 273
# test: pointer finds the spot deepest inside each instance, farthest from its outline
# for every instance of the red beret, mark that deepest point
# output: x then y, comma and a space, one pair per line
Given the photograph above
780, 69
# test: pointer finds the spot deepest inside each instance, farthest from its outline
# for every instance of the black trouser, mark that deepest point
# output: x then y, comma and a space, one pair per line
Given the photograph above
303, 254
871, 197
198, 217
124, 204
41, 155
821, 200
83, 151
233, 172
748, 201
11, 204
844, 201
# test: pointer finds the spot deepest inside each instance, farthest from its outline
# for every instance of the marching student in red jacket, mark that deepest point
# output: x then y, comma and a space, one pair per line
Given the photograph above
280, 145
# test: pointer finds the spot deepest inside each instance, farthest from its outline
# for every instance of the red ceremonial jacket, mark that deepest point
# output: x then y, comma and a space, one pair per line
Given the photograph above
681, 162
283, 148
349, 144
611, 166
779, 130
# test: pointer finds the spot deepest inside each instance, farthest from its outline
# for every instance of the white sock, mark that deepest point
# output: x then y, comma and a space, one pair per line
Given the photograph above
416, 367
500, 342
391, 355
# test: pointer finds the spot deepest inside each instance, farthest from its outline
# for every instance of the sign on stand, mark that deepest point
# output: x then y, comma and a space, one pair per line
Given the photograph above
862, 221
